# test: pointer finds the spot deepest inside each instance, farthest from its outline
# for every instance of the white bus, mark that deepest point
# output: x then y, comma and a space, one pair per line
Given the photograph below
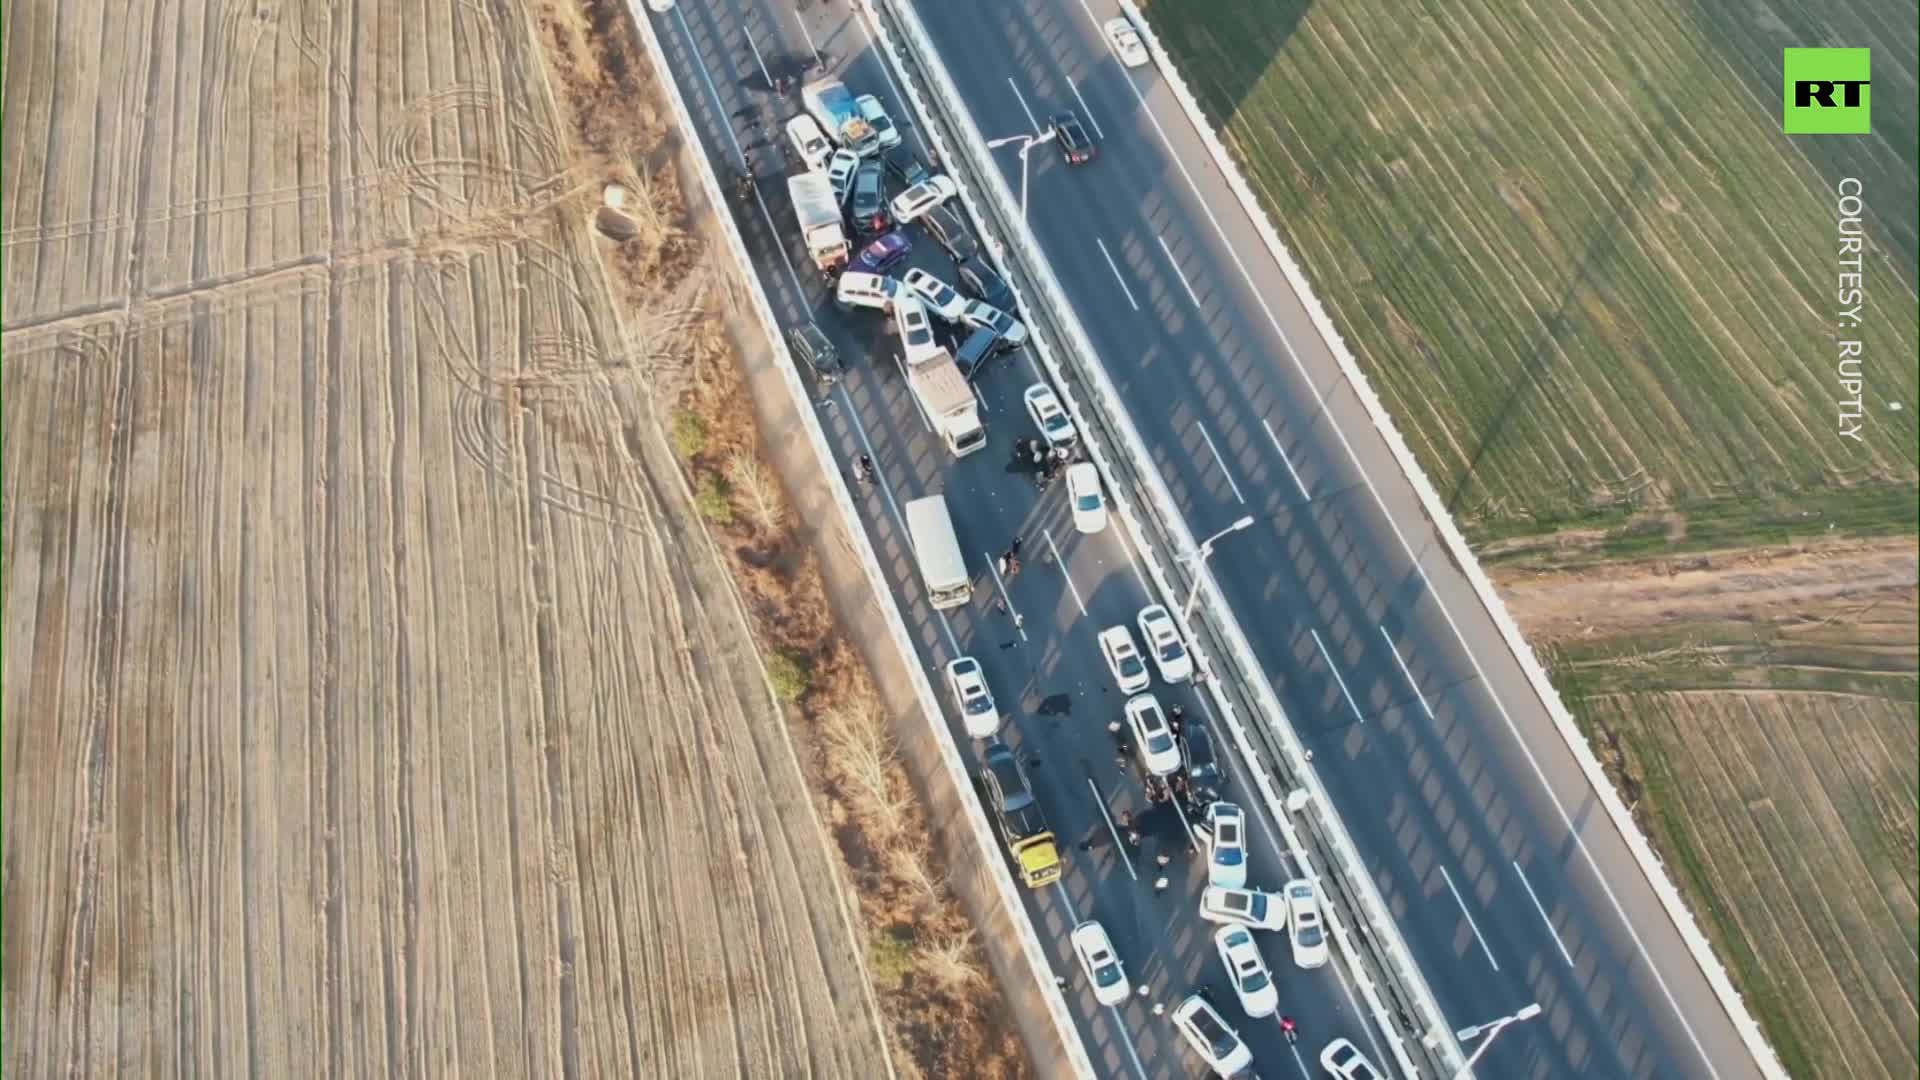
937, 549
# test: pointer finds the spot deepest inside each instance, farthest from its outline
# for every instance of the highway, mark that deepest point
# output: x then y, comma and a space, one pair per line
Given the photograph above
1506, 878
1039, 653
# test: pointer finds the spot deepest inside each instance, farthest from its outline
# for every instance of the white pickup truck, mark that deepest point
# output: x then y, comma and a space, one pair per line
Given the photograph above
832, 104
819, 215
948, 401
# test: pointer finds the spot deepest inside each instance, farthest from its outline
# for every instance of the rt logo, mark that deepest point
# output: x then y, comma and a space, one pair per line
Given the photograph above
1827, 92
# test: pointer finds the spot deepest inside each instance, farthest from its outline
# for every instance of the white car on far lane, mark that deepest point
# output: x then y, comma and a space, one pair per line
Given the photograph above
984, 316
1305, 927
1246, 907
1049, 415
1169, 653
1248, 971
1126, 42
1123, 659
913, 203
941, 298
969, 685
1101, 963
1226, 846
1152, 737
1083, 494
875, 114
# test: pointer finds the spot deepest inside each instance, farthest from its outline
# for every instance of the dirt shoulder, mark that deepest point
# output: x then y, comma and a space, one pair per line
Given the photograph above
1768, 585
931, 924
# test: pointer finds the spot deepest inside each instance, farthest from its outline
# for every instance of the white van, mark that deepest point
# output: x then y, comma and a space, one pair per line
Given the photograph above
809, 142
858, 288
937, 549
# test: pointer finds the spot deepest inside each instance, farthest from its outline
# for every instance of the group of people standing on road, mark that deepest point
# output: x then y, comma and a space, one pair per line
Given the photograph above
1044, 461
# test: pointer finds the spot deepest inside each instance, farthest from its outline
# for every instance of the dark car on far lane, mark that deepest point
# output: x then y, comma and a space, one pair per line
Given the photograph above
883, 254
1075, 145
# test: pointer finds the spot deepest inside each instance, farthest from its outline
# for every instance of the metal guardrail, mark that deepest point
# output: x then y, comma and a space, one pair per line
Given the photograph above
1371, 946
981, 829
1434, 508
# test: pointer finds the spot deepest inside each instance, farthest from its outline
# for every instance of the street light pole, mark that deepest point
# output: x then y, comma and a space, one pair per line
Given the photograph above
1490, 1030
1027, 143
1200, 563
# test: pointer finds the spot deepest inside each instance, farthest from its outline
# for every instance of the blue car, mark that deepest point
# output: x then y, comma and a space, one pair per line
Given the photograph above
883, 254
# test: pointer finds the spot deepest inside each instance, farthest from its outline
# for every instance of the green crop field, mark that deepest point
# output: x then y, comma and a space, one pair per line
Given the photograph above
1794, 815
1576, 255
1595, 284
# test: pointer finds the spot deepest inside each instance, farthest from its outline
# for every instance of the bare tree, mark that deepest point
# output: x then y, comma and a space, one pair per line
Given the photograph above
758, 486
907, 862
949, 961
864, 756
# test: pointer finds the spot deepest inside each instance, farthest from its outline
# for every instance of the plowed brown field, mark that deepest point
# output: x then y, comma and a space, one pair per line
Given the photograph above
372, 704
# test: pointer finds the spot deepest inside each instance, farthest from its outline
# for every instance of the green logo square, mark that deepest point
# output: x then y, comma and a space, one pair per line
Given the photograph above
1827, 92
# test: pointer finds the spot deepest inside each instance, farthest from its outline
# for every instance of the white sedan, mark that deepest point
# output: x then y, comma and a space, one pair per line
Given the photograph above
1049, 416
1345, 1061
1123, 659
1164, 645
916, 330
1247, 970
984, 316
1227, 846
1083, 494
840, 170
1209, 1036
1155, 739
1126, 42
941, 298
1244, 907
1101, 963
913, 203
1307, 930
875, 114
969, 685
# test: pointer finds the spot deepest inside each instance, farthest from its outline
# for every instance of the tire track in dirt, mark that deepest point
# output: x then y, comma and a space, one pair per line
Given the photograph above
276, 518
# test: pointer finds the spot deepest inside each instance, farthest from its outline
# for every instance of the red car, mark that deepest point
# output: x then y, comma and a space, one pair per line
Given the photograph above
883, 254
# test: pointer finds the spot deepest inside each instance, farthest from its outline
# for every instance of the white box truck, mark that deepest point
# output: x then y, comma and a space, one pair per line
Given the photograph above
937, 549
949, 403
833, 106
819, 215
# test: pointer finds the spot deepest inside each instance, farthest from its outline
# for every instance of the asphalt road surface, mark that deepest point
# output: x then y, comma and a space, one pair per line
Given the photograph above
1045, 669
1508, 880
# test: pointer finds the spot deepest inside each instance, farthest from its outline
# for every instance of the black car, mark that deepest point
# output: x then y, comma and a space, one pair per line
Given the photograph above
1072, 138
984, 283
944, 223
868, 201
1009, 794
1198, 759
812, 348
905, 166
